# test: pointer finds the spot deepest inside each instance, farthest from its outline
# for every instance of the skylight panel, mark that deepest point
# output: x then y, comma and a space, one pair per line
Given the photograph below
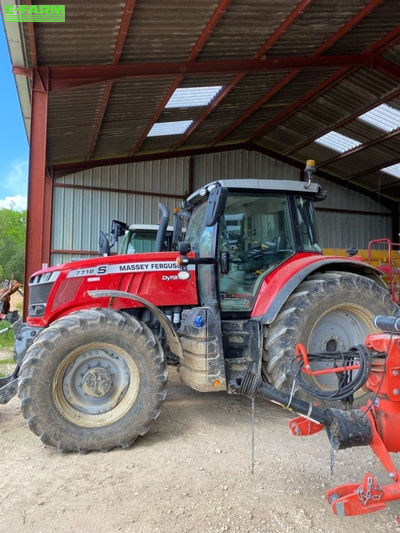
169, 128
338, 142
393, 170
193, 96
384, 117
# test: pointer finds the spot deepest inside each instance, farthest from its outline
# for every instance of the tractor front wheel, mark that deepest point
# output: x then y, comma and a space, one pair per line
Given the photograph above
93, 380
328, 312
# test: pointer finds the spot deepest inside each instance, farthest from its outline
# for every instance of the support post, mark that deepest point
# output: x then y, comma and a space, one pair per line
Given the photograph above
37, 249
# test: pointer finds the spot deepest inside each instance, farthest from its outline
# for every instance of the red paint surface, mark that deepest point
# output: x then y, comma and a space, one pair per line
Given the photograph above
149, 285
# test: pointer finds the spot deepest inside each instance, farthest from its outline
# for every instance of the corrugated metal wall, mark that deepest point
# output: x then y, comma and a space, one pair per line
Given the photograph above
79, 214
343, 230
85, 202
240, 164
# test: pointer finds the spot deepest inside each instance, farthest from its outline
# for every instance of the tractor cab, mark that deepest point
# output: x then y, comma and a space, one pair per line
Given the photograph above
257, 226
141, 238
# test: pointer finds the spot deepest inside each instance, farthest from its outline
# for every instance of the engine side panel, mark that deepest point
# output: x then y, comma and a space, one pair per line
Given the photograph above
153, 276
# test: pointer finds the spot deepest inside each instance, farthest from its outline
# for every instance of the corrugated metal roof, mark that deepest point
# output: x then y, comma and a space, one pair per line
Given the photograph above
383, 117
165, 31
265, 108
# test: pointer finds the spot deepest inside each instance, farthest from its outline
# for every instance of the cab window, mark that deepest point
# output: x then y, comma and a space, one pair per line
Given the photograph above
256, 231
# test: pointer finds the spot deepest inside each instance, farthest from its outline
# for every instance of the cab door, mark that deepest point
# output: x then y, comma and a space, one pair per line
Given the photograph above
256, 232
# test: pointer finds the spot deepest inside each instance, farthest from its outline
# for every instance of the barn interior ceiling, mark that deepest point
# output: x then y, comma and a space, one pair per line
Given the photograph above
296, 80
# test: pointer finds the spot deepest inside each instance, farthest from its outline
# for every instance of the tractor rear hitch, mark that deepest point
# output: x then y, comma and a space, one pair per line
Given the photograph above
374, 424
345, 429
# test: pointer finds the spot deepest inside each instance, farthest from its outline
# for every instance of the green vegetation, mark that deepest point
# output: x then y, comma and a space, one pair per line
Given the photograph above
12, 244
7, 366
7, 339
8, 361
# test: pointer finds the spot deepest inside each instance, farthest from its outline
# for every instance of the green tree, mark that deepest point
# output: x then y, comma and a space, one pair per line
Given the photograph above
12, 244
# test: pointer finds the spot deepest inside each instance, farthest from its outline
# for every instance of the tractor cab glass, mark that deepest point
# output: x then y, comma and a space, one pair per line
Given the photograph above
256, 232
306, 224
142, 239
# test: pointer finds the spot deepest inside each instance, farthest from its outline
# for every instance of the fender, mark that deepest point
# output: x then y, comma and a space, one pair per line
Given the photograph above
172, 336
279, 285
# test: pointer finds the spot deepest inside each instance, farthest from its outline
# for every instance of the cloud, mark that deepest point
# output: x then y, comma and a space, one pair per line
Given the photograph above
17, 202
15, 180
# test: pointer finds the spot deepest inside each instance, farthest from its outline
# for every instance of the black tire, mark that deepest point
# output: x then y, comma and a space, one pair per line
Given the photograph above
93, 380
331, 310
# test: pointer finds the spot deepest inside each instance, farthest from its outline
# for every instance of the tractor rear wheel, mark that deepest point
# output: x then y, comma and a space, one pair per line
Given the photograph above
328, 312
93, 380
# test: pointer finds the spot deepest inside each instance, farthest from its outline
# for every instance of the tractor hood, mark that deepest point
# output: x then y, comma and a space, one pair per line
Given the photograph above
57, 291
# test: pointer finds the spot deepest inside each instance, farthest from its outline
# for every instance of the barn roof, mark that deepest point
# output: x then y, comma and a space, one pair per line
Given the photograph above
296, 79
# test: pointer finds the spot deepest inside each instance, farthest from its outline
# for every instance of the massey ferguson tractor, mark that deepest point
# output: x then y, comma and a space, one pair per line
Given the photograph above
248, 304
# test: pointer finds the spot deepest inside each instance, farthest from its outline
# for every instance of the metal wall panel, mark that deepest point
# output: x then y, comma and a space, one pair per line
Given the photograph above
341, 198
79, 214
344, 230
168, 176
240, 164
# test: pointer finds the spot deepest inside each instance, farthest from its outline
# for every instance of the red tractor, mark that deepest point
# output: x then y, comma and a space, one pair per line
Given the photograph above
248, 283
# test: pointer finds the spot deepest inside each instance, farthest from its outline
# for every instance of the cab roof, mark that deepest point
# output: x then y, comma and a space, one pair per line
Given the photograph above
251, 185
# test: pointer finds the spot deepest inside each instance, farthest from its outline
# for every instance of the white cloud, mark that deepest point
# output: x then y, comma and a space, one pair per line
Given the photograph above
17, 202
13, 185
15, 179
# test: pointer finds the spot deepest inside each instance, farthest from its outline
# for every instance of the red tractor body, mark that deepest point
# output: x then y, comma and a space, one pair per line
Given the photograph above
152, 276
245, 286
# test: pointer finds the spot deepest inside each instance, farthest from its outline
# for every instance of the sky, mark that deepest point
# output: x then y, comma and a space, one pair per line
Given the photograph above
14, 152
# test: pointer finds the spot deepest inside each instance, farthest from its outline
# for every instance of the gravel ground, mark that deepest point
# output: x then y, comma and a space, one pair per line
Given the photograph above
191, 472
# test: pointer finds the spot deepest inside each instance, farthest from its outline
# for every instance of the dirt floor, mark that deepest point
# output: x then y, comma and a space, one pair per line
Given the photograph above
191, 472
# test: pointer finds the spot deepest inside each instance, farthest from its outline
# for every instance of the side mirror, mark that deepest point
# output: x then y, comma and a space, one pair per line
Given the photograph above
104, 245
184, 248
117, 229
215, 205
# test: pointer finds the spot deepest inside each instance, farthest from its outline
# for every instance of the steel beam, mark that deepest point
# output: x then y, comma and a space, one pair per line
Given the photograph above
373, 4
200, 43
159, 109
330, 82
76, 252
375, 49
388, 185
61, 169
372, 170
387, 41
76, 76
360, 148
38, 230
388, 67
389, 96
119, 45
31, 39
384, 200
116, 190
299, 9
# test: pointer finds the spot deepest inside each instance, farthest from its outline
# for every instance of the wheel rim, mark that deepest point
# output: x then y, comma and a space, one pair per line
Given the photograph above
338, 329
96, 384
